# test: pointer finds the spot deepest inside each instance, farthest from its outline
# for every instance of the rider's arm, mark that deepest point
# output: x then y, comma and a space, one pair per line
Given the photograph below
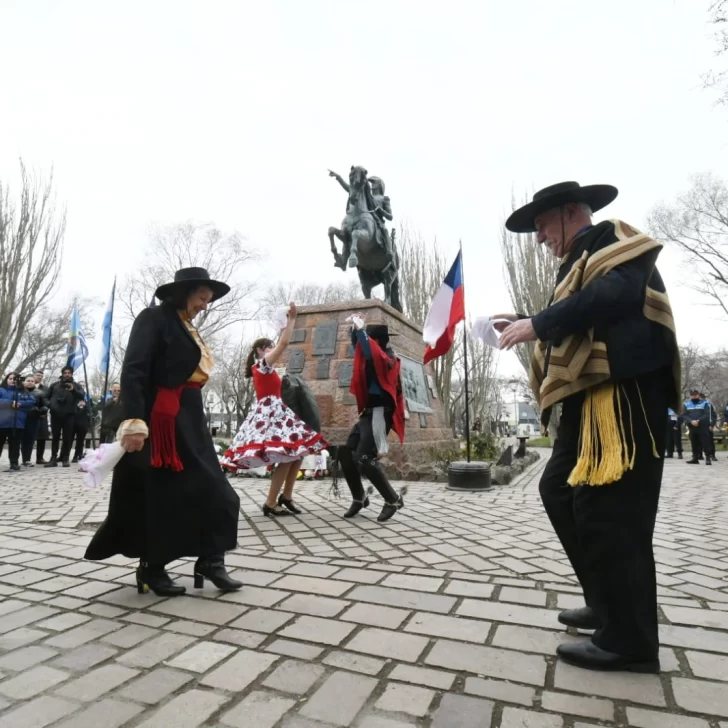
386, 209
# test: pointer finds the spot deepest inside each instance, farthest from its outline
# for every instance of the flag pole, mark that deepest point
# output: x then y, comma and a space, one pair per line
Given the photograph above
88, 403
465, 348
108, 353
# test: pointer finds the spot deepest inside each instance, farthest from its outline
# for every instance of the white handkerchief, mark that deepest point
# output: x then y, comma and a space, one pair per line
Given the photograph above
280, 318
484, 330
357, 321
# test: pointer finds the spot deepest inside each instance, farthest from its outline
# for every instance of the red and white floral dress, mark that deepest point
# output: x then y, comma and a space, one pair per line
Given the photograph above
272, 432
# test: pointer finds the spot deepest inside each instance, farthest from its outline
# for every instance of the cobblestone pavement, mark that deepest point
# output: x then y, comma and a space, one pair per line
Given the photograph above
444, 617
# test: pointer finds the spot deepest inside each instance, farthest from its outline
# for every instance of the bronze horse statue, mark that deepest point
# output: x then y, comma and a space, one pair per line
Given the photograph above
363, 236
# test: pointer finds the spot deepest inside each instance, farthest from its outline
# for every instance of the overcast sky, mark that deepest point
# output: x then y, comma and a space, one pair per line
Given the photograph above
231, 112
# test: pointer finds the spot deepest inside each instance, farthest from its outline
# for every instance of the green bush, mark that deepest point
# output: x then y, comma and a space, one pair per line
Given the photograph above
443, 456
484, 446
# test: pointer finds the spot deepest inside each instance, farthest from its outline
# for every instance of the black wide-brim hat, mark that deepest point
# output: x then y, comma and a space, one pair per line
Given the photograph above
596, 196
187, 276
379, 331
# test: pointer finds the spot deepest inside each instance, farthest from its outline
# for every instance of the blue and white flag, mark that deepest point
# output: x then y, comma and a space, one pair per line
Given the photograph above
106, 331
76, 349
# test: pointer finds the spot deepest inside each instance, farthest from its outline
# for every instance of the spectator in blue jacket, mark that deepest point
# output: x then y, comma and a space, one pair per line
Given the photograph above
15, 403
696, 415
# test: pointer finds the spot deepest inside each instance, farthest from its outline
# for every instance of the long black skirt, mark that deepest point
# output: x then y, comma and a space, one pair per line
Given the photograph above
158, 515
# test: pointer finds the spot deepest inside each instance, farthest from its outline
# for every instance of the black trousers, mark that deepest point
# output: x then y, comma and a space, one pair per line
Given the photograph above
62, 433
673, 438
700, 440
79, 432
607, 530
358, 457
28, 440
13, 436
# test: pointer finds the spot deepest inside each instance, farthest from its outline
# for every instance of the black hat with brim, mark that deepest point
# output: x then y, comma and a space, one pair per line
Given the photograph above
187, 276
522, 220
379, 331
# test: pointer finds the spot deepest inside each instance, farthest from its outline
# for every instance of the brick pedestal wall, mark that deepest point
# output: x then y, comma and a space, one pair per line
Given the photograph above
321, 352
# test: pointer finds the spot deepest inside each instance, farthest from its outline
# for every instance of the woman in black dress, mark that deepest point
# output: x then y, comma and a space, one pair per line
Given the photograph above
169, 496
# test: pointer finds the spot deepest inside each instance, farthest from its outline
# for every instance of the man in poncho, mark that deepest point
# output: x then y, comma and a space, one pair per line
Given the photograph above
606, 351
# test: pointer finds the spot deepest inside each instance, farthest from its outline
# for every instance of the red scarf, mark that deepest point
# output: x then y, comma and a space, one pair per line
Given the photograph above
162, 435
387, 371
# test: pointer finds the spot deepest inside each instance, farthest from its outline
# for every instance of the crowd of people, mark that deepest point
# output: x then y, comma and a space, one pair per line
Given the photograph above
32, 413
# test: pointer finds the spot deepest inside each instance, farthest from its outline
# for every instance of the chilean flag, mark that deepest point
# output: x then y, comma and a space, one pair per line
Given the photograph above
446, 312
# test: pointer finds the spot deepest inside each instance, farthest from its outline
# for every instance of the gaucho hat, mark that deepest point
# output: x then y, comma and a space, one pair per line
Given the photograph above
379, 332
596, 196
185, 276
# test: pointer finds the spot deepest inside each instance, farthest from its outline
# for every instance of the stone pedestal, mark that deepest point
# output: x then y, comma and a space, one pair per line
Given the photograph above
321, 351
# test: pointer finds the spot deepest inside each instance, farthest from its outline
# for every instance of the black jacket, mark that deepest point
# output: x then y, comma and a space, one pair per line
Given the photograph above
112, 415
296, 394
62, 401
613, 306
160, 353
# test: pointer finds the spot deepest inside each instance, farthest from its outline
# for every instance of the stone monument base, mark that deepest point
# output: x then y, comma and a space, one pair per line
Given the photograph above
321, 351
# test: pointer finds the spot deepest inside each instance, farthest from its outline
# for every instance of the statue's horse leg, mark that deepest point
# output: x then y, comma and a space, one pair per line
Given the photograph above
362, 233
339, 259
366, 283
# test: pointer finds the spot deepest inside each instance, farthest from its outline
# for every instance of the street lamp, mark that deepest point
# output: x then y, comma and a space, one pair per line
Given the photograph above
513, 384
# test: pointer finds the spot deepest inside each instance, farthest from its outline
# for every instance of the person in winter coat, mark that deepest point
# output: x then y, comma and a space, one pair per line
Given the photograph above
82, 423
35, 419
63, 396
15, 403
44, 432
112, 415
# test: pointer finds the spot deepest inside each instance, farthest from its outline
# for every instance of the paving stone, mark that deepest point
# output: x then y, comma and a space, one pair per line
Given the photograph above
423, 676
311, 585
403, 598
518, 718
294, 649
339, 699
513, 613
256, 596
462, 712
155, 685
38, 713
375, 616
641, 718
84, 633
697, 617
405, 699
194, 629
202, 656
500, 690
469, 589
523, 596
377, 721
361, 576
575, 705
416, 583
694, 638
386, 643
85, 657
20, 638
94, 684
315, 629
31, 682
645, 689
155, 651
294, 676
703, 664
262, 620
239, 671
62, 622
354, 662
456, 628
260, 709
24, 617
313, 605
239, 637
698, 696
130, 636
320, 570
488, 662
107, 713
188, 710
529, 639
201, 610
26, 657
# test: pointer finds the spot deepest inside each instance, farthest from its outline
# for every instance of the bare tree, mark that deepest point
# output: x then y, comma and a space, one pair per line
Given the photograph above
235, 392
530, 273
225, 257
31, 250
697, 223
706, 372
310, 294
718, 10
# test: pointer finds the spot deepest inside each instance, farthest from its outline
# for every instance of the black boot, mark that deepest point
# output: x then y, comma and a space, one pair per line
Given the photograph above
356, 506
154, 577
52, 464
390, 509
213, 568
679, 456
580, 618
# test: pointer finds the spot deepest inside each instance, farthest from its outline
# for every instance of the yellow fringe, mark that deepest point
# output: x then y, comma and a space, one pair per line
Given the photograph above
604, 455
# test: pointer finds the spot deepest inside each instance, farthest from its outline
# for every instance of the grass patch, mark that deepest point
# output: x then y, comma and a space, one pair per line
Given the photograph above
540, 442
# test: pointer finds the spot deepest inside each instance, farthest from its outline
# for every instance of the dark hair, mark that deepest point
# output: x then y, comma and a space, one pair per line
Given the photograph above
180, 295
7, 376
257, 344
67, 369
38, 371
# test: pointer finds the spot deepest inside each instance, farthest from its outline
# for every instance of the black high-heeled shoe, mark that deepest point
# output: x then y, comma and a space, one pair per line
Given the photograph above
289, 504
213, 568
154, 577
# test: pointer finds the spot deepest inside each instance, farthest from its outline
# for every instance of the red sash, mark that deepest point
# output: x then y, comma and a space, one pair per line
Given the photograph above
162, 437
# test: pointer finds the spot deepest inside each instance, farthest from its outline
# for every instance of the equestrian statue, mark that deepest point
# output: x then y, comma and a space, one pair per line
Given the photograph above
368, 245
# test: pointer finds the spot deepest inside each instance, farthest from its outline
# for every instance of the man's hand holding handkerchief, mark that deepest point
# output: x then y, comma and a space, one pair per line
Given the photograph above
485, 329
